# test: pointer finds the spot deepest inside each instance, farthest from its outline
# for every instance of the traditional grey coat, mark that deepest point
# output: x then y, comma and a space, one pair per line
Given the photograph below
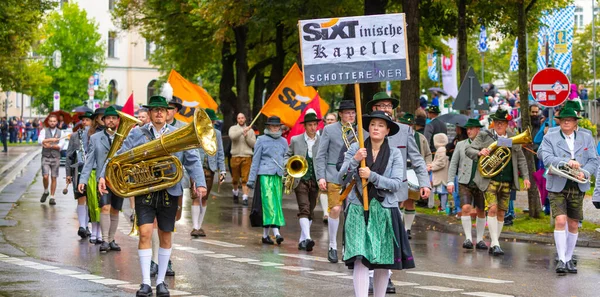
299, 146
461, 163
330, 145
268, 158
189, 158
556, 129
96, 156
74, 149
555, 149
483, 140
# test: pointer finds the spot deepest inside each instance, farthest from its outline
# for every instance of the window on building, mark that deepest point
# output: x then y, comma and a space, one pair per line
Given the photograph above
112, 36
578, 9
151, 89
150, 47
113, 93
111, 4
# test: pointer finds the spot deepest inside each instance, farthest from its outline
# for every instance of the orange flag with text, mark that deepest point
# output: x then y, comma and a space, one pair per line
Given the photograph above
290, 98
192, 95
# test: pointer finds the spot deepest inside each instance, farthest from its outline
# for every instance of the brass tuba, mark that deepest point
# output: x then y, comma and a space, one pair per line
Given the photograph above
348, 135
491, 165
151, 167
296, 167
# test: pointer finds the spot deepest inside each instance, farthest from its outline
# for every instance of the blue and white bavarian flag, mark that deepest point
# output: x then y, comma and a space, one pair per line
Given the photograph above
514, 58
482, 46
545, 34
432, 70
564, 21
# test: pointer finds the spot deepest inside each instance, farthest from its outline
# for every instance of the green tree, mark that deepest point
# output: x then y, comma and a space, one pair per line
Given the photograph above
77, 37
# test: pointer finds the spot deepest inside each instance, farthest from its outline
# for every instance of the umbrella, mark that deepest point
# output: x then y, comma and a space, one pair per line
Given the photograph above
82, 109
454, 118
66, 116
439, 90
118, 107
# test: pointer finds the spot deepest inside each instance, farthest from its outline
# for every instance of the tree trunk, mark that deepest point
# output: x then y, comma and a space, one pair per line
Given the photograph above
279, 61
463, 62
409, 89
533, 194
226, 94
241, 69
259, 86
369, 89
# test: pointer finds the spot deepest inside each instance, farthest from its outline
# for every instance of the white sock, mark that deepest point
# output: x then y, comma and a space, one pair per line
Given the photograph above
196, 216
245, 197
560, 239
493, 227
145, 257
324, 204
163, 262
480, 225
94, 231
466, 223
380, 281
409, 218
187, 194
155, 245
235, 192
98, 230
82, 215
333, 228
202, 214
275, 231
360, 276
265, 232
571, 243
500, 225
305, 229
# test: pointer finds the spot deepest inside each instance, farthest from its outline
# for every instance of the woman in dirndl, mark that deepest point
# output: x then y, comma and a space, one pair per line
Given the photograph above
375, 239
265, 178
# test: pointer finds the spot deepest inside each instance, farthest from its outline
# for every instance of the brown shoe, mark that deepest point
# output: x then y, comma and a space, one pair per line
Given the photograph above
195, 233
201, 233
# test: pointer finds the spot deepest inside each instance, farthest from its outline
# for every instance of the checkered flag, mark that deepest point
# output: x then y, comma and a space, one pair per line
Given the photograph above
514, 58
482, 46
432, 71
564, 20
545, 34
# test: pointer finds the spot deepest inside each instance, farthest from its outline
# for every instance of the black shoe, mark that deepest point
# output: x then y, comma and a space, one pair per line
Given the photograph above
497, 251
490, 250
309, 244
153, 269
170, 271
144, 291
481, 245
508, 222
278, 239
81, 232
390, 288
92, 241
571, 268
370, 286
468, 244
52, 201
267, 240
44, 197
408, 233
98, 241
104, 247
236, 199
245, 202
561, 268
114, 246
162, 290
302, 245
332, 256
87, 232
326, 220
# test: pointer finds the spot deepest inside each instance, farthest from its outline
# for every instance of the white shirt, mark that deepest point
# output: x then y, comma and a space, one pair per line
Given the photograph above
570, 139
159, 133
310, 142
54, 131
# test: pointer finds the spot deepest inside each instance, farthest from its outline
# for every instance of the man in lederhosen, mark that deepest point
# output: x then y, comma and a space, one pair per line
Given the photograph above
52, 142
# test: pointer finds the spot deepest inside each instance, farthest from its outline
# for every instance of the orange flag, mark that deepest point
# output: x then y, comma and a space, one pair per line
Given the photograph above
290, 98
192, 95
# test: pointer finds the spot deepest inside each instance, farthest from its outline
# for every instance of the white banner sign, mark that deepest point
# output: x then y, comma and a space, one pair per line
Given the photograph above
449, 63
354, 49
56, 101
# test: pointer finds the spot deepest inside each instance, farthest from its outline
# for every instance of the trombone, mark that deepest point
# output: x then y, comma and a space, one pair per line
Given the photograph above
349, 138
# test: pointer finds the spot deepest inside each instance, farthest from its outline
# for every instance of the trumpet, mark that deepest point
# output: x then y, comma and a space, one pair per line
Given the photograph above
296, 167
349, 138
564, 170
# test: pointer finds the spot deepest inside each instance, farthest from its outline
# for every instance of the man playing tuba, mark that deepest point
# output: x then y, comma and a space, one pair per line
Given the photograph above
497, 188
162, 205
306, 188
578, 151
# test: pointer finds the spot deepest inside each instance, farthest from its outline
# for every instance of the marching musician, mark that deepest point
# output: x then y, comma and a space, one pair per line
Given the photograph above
330, 145
265, 178
375, 240
109, 203
470, 194
211, 165
306, 188
497, 189
161, 205
74, 162
91, 190
577, 151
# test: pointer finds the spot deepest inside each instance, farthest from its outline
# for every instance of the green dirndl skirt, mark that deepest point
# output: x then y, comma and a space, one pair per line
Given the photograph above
271, 194
382, 243
92, 198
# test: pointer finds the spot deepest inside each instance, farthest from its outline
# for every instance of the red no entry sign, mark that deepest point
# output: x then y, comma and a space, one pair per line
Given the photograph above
550, 87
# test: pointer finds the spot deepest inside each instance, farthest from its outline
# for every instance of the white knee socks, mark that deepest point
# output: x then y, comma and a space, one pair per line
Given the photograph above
480, 225
275, 231
466, 224
560, 239
493, 227
361, 279
145, 257
380, 281
155, 245
163, 262
82, 215
196, 216
265, 232
333, 228
409, 218
202, 214
571, 243
305, 229
324, 204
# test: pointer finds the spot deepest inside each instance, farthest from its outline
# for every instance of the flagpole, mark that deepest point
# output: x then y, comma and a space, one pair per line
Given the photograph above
361, 143
482, 68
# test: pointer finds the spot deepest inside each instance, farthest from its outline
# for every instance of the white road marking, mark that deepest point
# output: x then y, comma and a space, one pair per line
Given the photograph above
328, 273
220, 256
266, 264
294, 268
3, 256
64, 271
403, 284
86, 276
219, 243
199, 252
305, 257
486, 294
109, 281
43, 267
346, 277
439, 289
185, 248
11, 260
243, 260
26, 263
461, 277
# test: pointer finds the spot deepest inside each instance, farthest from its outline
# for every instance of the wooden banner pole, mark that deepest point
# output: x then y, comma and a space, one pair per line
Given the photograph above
361, 142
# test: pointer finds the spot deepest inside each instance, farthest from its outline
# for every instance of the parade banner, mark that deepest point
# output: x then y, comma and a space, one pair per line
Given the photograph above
564, 20
291, 98
544, 35
449, 76
432, 70
482, 45
358, 49
192, 96
514, 58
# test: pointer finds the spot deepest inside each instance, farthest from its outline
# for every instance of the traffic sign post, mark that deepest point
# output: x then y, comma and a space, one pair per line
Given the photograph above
550, 87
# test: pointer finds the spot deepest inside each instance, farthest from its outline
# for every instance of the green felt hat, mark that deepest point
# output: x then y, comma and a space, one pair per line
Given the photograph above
110, 111
158, 102
473, 123
500, 115
408, 119
433, 109
211, 114
381, 96
567, 113
575, 105
310, 116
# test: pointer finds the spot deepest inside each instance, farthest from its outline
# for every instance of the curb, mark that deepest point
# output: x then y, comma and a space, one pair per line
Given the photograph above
12, 200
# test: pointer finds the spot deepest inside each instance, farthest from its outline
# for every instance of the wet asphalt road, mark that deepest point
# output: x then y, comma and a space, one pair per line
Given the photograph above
231, 261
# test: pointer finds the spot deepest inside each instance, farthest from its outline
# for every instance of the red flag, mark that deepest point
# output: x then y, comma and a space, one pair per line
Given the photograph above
298, 127
128, 107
